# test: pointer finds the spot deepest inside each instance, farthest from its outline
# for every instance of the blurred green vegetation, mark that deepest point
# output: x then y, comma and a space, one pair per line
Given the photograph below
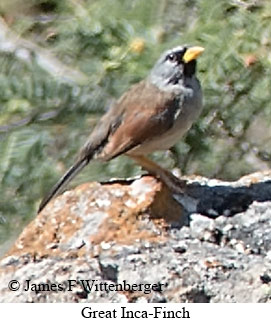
63, 62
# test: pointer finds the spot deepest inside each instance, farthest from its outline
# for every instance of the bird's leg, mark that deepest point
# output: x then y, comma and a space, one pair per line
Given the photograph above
165, 176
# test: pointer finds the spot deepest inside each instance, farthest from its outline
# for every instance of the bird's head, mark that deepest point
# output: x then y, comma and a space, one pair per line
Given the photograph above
175, 65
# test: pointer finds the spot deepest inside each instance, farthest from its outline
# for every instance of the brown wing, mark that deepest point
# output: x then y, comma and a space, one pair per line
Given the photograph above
141, 113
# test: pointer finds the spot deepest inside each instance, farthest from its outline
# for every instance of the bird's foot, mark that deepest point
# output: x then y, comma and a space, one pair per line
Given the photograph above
175, 184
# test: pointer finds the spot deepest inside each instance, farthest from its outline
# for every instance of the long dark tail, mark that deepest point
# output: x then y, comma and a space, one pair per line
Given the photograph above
64, 180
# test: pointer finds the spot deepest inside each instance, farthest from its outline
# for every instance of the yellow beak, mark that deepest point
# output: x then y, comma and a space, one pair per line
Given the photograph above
192, 53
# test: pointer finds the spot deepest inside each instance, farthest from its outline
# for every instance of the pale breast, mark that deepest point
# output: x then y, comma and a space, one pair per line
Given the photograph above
190, 111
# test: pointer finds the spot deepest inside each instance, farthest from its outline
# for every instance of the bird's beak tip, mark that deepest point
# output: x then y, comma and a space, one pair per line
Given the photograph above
192, 53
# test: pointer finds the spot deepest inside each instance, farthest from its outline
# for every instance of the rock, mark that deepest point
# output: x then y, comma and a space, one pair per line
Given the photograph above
136, 241
109, 269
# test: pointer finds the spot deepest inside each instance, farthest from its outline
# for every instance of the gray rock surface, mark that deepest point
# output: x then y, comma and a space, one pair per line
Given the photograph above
218, 256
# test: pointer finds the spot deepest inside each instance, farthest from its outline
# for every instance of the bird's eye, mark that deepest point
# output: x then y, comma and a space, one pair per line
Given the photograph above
171, 57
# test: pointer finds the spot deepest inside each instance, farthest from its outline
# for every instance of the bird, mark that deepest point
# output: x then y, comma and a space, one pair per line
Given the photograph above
151, 115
